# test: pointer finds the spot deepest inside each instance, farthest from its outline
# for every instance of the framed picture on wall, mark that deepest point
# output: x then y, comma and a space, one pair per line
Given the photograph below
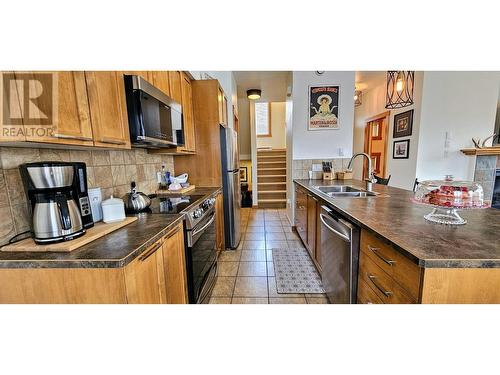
324, 107
243, 174
403, 124
401, 149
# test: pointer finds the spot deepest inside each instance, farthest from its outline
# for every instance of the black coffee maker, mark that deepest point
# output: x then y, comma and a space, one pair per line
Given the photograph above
57, 200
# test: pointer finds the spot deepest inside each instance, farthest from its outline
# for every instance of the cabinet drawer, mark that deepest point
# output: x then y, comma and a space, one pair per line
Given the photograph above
381, 283
396, 265
366, 294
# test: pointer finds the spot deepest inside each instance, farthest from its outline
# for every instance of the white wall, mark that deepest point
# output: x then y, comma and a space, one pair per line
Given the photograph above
278, 128
244, 136
462, 103
402, 171
322, 144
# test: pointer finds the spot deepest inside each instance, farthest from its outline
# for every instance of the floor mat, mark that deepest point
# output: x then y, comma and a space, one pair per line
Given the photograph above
295, 272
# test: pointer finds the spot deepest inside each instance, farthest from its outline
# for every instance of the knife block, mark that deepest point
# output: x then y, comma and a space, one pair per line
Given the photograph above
328, 176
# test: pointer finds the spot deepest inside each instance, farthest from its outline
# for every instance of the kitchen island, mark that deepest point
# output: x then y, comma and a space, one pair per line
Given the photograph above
444, 264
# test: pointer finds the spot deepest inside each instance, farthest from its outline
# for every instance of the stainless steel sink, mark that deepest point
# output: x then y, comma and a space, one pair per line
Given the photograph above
353, 194
336, 189
344, 191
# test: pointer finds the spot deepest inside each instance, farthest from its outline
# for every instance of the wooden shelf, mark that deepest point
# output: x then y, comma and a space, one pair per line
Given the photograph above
495, 150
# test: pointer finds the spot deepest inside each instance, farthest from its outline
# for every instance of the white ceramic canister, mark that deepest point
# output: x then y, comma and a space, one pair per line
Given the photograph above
113, 210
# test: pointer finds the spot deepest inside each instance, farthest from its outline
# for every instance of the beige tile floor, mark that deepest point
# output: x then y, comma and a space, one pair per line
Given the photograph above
246, 275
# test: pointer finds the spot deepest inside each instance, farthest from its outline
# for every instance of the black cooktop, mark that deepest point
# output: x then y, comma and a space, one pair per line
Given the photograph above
172, 205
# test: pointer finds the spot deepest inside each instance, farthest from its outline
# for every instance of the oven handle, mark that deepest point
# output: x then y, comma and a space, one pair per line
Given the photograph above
204, 227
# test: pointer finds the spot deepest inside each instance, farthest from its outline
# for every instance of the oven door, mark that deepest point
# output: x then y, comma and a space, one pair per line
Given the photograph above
202, 258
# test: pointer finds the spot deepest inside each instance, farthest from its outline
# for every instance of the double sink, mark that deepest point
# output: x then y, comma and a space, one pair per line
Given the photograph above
344, 191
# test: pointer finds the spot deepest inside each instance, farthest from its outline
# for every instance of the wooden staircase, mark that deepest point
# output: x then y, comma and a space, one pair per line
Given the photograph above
271, 178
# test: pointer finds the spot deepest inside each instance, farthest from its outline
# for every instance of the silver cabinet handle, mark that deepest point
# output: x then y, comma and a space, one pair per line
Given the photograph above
341, 235
149, 253
375, 250
385, 292
68, 136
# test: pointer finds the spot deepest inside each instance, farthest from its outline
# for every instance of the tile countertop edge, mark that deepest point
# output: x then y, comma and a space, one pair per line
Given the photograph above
423, 263
89, 263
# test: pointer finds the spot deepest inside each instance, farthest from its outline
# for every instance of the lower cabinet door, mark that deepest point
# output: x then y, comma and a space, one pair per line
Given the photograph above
174, 263
144, 277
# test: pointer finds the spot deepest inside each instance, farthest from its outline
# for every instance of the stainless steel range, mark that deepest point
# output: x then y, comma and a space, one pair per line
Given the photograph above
200, 232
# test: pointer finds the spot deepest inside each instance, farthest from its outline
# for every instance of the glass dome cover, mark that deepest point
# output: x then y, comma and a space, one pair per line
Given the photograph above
447, 196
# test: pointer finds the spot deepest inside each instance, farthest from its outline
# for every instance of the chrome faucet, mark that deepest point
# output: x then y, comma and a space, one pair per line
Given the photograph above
370, 179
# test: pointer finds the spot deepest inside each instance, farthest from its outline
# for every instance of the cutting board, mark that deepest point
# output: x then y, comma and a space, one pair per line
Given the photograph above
97, 231
176, 192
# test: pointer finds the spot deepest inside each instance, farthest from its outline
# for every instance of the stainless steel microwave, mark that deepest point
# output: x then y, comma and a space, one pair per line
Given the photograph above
155, 120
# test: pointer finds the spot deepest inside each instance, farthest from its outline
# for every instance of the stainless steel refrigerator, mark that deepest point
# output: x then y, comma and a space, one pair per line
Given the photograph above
231, 186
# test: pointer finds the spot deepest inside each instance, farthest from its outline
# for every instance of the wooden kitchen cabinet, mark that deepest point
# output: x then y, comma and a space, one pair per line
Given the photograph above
158, 275
175, 79
70, 123
174, 264
219, 214
188, 116
301, 213
222, 107
161, 80
312, 212
145, 277
108, 109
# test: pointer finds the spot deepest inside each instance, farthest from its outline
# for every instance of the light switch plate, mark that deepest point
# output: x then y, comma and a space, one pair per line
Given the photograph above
317, 167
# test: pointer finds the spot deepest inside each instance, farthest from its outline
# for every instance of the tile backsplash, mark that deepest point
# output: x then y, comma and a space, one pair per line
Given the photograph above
302, 167
110, 170
485, 173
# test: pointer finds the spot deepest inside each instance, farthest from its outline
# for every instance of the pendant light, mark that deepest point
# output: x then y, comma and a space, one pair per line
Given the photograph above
253, 94
399, 88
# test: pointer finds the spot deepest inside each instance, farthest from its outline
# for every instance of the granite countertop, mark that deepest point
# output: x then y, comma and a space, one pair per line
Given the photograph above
400, 222
114, 250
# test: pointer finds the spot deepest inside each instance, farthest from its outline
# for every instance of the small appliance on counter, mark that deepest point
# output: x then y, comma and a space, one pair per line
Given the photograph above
447, 196
136, 201
95, 197
58, 200
113, 210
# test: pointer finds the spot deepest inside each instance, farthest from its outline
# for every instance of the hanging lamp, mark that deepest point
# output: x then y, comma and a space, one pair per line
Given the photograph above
399, 88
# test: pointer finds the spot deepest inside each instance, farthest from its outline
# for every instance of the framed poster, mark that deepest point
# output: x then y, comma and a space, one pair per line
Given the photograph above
243, 174
401, 149
324, 107
403, 124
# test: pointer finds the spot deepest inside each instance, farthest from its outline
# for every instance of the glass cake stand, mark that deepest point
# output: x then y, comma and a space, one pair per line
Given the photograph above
446, 197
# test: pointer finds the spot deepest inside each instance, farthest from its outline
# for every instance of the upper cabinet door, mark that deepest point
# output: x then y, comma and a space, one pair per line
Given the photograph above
11, 131
64, 113
162, 81
175, 78
220, 103
188, 115
108, 110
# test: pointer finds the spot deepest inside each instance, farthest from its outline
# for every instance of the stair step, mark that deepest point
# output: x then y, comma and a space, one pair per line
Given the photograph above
271, 169
271, 183
270, 162
271, 191
272, 175
272, 200
270, 156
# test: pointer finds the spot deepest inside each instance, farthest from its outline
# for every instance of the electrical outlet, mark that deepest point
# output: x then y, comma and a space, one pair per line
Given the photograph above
317, 167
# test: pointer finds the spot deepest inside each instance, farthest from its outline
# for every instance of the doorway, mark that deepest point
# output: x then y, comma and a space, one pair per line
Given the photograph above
376, 141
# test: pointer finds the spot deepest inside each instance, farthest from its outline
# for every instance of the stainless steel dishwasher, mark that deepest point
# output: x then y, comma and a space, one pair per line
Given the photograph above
339, 257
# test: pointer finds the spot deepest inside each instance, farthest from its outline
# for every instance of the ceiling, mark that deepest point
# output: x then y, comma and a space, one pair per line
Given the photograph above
366, 80
273, 84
